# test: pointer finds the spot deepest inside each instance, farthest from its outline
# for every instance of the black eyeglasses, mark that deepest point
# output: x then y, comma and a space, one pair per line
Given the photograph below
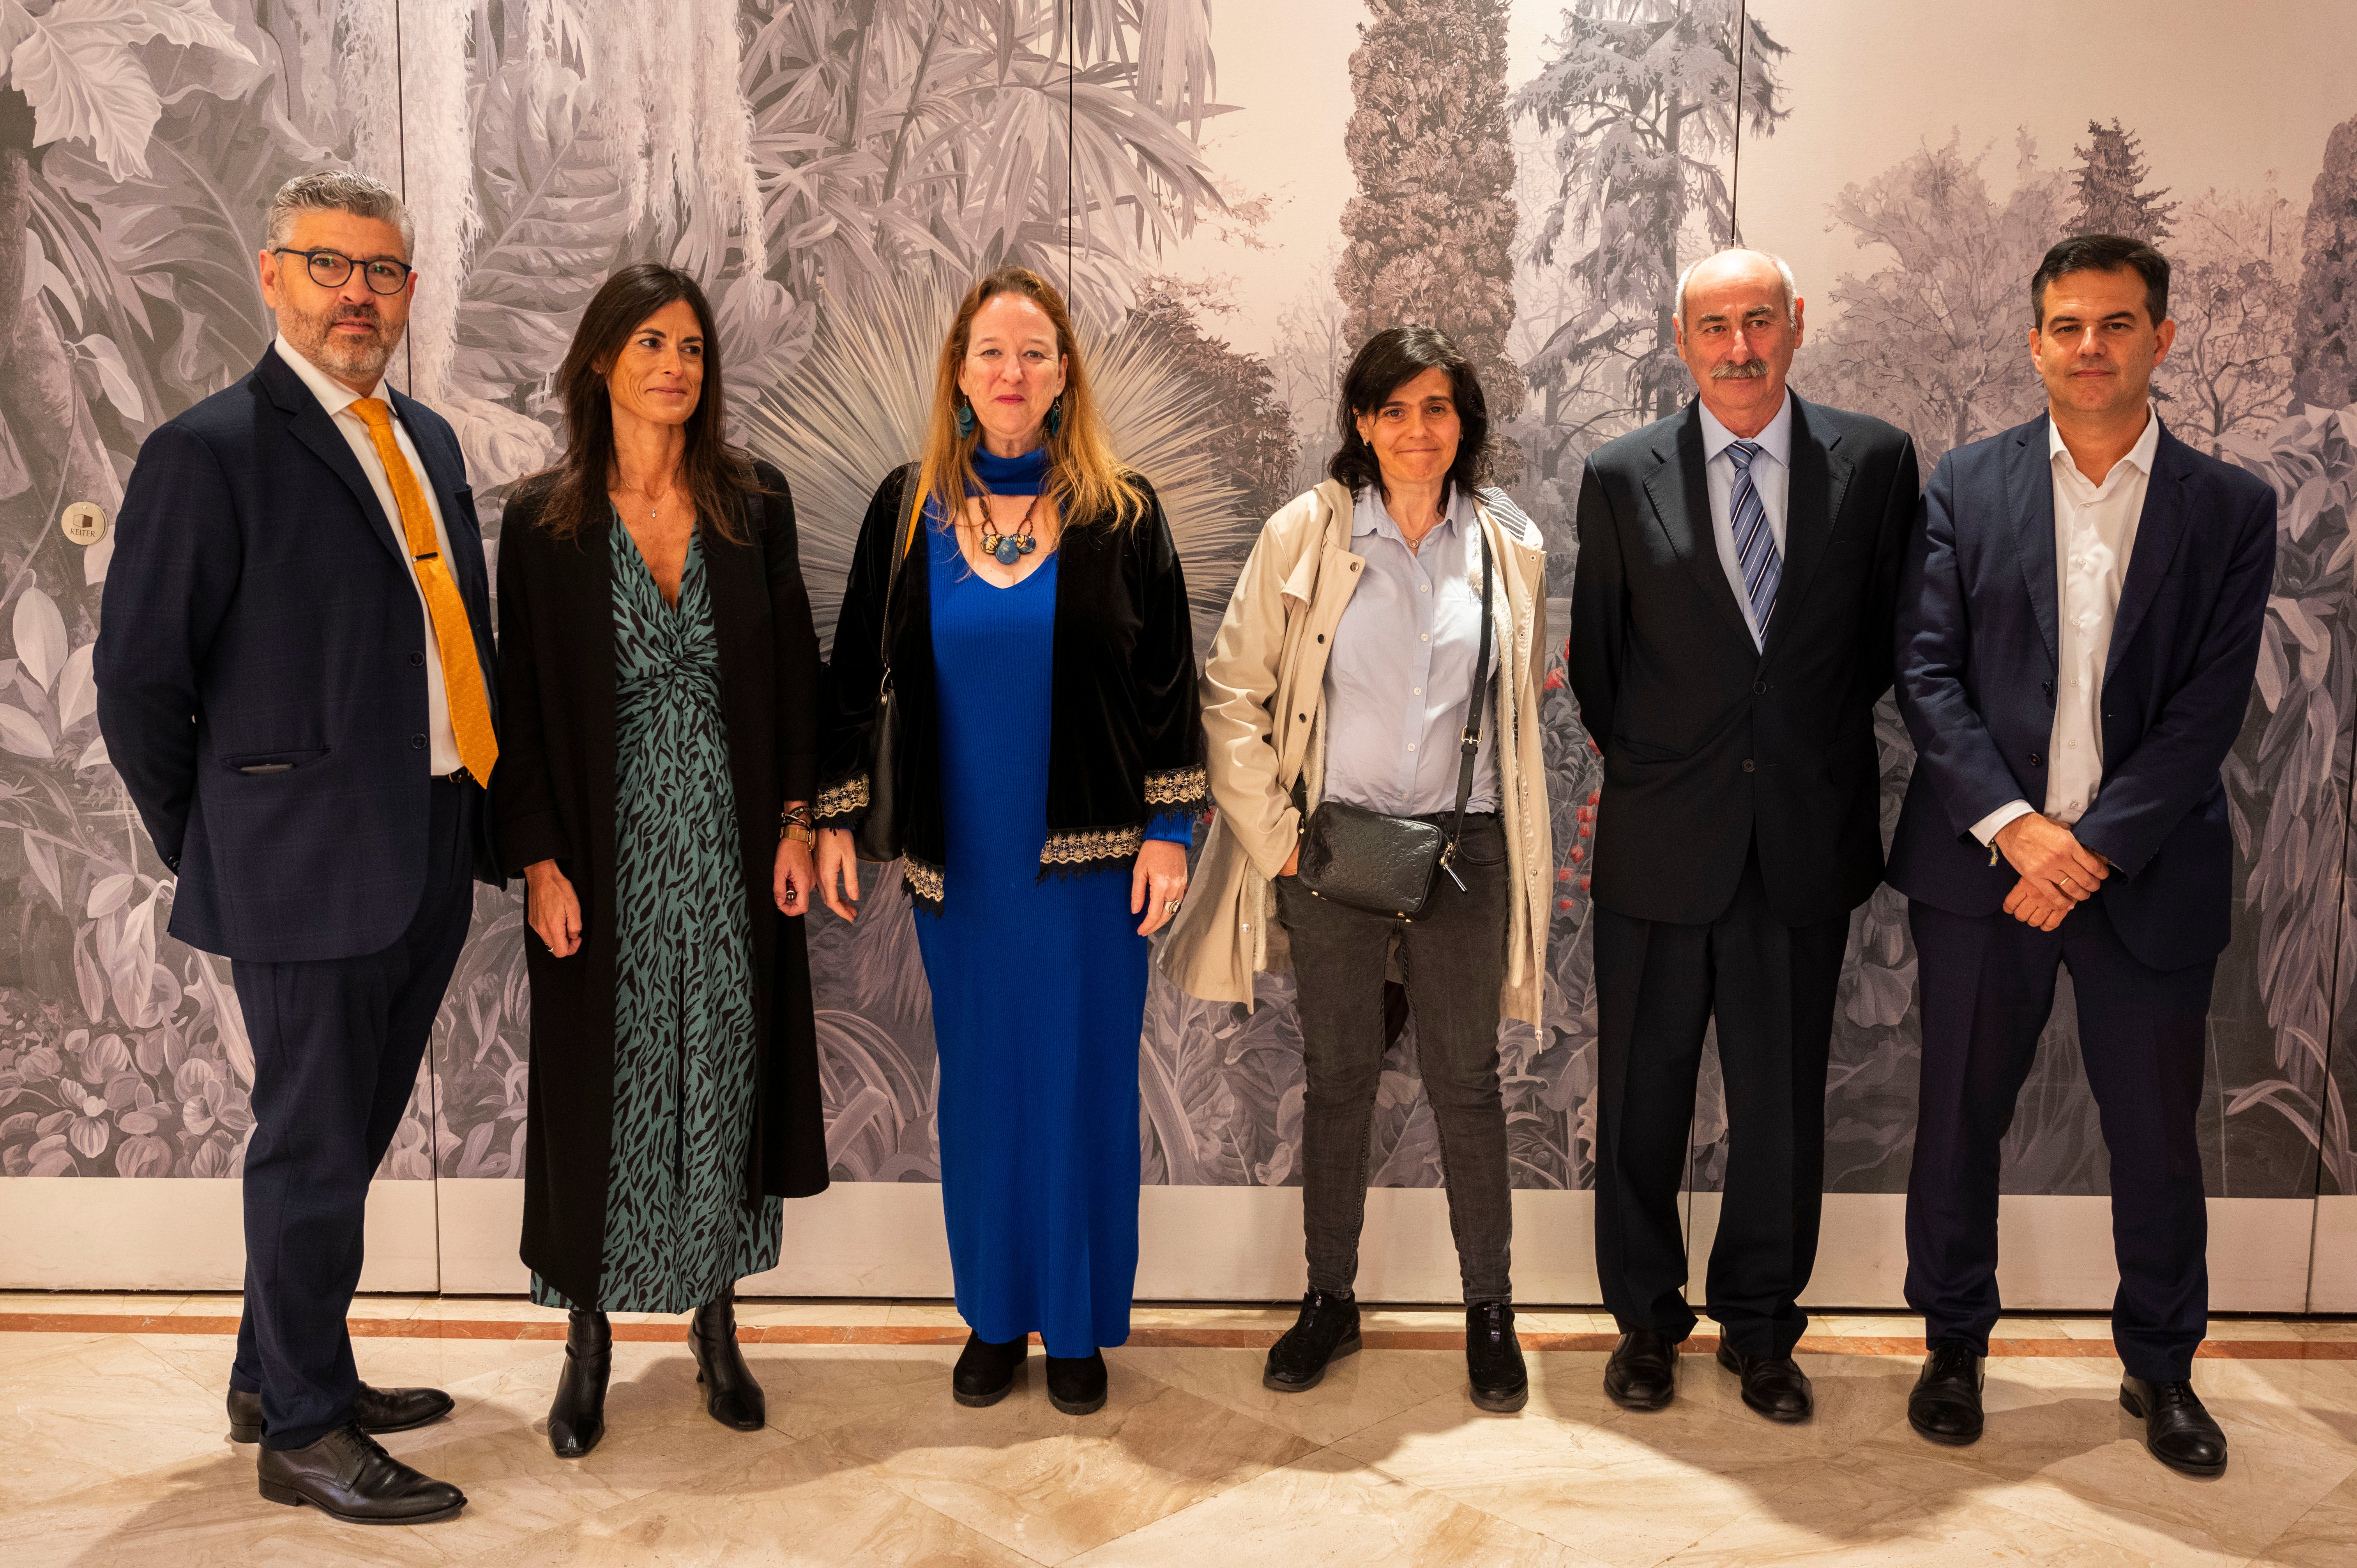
330, 269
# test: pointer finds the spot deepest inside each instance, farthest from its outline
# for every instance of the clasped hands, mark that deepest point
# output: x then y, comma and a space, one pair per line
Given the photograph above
2058, 872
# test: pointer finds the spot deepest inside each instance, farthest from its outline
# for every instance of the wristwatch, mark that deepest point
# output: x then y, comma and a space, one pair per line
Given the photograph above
800, 832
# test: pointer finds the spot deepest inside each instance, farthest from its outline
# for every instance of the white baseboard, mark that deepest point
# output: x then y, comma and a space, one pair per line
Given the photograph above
2054, 1253
170, 1233
2332, 1270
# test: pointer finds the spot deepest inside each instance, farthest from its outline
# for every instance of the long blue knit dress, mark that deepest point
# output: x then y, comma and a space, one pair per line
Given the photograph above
1038, 986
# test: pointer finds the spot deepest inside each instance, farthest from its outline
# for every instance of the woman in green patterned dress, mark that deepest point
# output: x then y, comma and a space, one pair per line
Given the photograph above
658, 681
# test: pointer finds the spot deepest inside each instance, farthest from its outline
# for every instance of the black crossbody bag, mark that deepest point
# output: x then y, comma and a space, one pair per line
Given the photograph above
1391, 865
879, 834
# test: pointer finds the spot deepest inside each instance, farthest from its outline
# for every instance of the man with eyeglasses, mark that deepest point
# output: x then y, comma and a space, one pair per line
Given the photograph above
295, 682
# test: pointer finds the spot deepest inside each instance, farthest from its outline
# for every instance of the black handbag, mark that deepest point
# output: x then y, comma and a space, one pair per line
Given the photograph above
879, 834
1384, 864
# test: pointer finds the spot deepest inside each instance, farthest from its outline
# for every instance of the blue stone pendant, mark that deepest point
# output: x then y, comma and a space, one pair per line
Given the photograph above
1007, 551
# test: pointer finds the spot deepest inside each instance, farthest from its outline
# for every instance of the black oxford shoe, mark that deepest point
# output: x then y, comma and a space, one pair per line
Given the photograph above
1076, 1384
2177, 1429
1946, 1404
1778, 1390
1644, 1371
349, 1478
1326, 1330
987, 1371
731, 1397
576, 1416
375, 1409
1493, 1358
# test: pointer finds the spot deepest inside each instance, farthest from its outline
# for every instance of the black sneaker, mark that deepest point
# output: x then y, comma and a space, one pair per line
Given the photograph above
1326, 1330
987, 1371
1493, 1358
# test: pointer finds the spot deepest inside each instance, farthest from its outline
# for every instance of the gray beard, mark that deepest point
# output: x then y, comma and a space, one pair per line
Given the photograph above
363, 361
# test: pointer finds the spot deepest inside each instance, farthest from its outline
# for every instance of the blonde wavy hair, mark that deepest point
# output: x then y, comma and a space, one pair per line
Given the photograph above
1085, 480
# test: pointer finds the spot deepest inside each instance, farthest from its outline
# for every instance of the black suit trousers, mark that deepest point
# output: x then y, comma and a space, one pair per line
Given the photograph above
1987, 985
336, 1047
1770, 987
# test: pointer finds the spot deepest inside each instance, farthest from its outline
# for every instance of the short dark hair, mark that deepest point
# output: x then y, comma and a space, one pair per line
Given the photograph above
2102, 253
1388, 362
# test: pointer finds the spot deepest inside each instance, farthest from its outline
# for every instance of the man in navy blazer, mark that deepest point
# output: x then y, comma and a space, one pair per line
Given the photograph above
293, 680
2078, 627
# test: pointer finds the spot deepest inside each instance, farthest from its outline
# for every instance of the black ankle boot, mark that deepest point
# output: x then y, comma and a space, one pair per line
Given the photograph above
985, 1372
1326, 1330
576, 1417
730, 1395
1493, 1358
1076, 1384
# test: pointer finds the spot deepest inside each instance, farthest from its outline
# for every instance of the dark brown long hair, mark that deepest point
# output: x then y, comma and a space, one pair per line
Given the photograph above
716, 476
1085, 480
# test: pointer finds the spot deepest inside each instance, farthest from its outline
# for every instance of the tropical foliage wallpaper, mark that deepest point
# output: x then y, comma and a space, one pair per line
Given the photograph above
838, 170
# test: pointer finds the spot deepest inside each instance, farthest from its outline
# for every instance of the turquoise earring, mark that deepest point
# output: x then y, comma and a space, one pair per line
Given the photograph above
1056, 415
964, 420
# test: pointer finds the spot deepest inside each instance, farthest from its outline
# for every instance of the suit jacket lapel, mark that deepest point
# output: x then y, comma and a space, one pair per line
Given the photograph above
2159, 528
2029, 500
1680, 498
1819, 480
310, 424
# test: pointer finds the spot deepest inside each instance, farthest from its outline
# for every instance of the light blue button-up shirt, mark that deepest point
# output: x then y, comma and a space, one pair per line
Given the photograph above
1772, 476
1397, 681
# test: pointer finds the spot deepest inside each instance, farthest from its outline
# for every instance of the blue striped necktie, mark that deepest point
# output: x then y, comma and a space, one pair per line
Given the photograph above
1754, 541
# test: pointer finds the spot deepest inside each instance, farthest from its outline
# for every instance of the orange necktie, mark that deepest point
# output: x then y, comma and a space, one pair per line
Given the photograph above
462, 674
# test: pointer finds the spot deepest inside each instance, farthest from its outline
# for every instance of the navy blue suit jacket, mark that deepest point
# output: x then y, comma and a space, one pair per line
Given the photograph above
260, 611
1978, 655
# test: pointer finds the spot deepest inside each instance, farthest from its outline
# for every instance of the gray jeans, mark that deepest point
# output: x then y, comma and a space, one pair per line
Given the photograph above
1453, 960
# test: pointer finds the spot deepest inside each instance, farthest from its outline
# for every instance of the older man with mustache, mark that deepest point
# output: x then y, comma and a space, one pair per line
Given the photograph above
293, 682
1730, 634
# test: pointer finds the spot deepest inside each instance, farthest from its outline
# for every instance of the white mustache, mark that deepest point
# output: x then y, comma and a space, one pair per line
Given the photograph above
1750, 370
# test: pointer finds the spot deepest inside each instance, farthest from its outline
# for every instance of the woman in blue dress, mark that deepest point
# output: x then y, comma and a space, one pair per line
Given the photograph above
1049, 770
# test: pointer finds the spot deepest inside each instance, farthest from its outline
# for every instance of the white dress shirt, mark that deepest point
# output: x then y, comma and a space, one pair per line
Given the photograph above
1772, 476
2094, 534
337, 398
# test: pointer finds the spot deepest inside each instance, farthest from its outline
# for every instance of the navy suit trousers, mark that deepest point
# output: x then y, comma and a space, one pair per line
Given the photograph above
336, 1047
1988, 987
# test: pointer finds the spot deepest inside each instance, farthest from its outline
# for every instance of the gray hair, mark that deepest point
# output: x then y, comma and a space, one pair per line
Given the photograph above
335, 190
1791, 289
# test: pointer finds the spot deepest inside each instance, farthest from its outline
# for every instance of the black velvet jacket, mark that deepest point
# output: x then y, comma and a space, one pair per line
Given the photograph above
1126, 733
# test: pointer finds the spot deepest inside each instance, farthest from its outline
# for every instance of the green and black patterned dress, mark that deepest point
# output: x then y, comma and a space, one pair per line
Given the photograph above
680, 1230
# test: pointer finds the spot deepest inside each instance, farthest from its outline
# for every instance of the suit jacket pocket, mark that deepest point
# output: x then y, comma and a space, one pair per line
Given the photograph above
268, 762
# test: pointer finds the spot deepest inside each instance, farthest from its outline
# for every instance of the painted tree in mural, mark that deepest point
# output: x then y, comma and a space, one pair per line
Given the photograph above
1256, 444
2233, 281
2109, 179
1431, 228
1643, 97
2324, 336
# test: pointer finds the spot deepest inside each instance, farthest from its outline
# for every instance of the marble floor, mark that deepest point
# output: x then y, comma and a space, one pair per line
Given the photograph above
112, 1450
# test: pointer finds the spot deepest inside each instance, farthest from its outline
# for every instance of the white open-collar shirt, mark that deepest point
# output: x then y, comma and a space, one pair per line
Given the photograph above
2094, 534
1772, 476
442, 741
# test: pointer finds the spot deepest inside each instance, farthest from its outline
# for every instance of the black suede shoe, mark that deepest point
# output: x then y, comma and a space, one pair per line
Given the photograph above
1076, 1384
576, 1417
1946, 1404
987, 1371
1644, 1371
1493, 1358
731, 1397
373, 1409
1778, 1390
347, 1477
2177, 1430
1326, 1330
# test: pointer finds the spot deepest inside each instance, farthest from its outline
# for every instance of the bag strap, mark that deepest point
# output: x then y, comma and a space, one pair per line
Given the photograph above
901, 549
1471, 744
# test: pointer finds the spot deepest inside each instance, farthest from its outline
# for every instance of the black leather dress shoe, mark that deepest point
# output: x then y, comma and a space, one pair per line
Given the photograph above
1493, 1358
576, 1417
1076, 1384
347, 1477
1326, 1330
1946, 1404
2177, 1429
987, 1371
375, 1409
1778, 1390
1644, 1371
731, 1397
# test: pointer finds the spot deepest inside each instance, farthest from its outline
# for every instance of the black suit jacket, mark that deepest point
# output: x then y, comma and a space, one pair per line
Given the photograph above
261, 610
1977, 659
1711, 744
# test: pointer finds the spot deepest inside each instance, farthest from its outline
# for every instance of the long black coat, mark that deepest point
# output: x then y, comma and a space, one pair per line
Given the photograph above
554, 791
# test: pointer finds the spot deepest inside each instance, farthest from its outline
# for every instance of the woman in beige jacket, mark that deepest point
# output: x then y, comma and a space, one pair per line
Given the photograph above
1343, 670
